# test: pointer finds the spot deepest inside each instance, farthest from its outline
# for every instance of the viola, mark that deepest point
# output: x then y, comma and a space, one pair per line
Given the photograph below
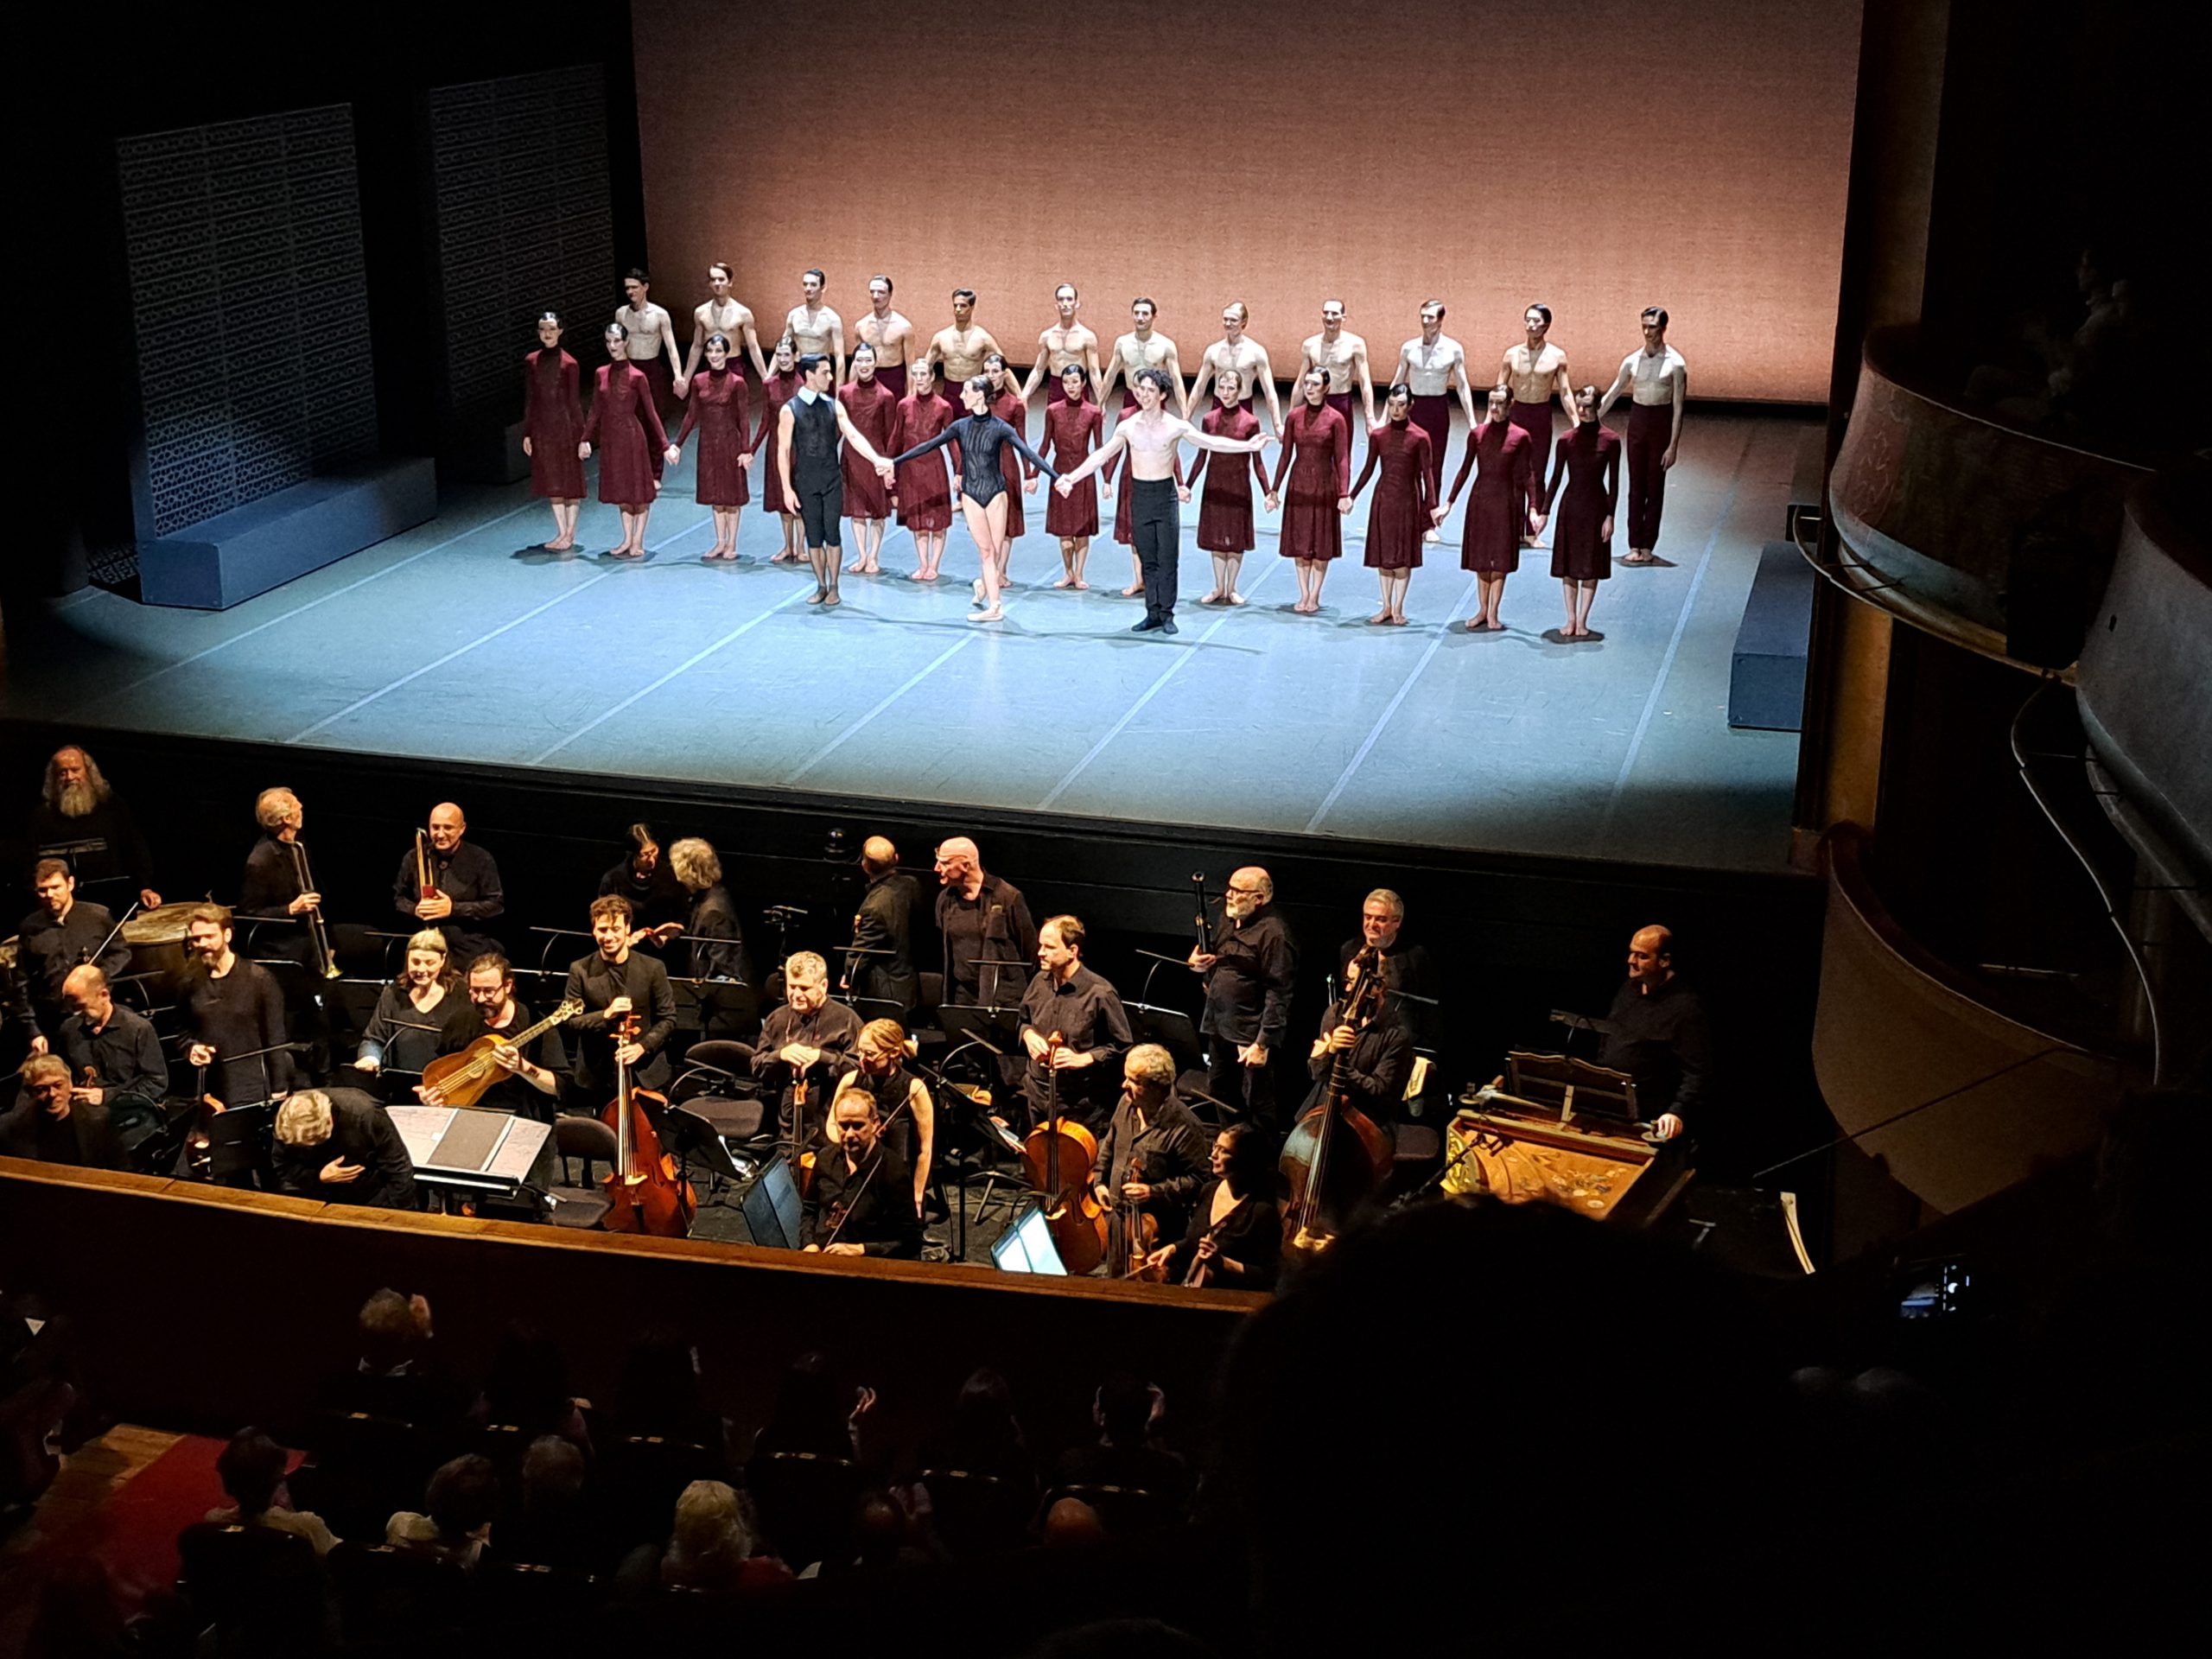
1135, 1233
1337, 1157
647, 1187
1060, 1156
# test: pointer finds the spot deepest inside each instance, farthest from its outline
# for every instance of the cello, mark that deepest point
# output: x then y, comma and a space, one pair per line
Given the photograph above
1059, 1156
648, 1191
1337, 1157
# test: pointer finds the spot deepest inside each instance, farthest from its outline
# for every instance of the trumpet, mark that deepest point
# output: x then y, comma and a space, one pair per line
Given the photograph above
326, 960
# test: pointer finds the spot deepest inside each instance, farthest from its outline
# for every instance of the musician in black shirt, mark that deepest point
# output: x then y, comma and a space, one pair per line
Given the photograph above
984, 922
80, 819
1406, 968
643, 878
881, 967
1660, 1036
465, 880
271, 889
231, 1008
612, 982
528, 1081
862, 1202
1378, 1056
62, 932
1249, 976
804, 1044
1153, 1152
1067, 1000
717, 944
116, 1048
1236, 1225
341, 1146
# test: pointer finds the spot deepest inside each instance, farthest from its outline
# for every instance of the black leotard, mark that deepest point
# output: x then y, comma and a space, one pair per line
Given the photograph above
980, 437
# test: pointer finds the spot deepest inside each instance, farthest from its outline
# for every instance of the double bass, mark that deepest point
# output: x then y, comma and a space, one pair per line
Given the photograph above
1337, 1157
1059, 1156
647, 1185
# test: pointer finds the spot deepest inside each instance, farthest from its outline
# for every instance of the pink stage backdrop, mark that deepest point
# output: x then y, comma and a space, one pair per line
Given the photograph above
1600, 155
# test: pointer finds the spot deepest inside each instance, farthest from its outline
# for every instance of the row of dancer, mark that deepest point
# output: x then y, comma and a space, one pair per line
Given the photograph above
870, 417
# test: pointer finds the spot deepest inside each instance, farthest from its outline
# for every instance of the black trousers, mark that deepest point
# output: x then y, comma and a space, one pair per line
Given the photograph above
1249, 1090
819, 510
1159, 533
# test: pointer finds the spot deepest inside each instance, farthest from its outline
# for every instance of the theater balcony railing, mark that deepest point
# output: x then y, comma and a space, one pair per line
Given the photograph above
1992, 535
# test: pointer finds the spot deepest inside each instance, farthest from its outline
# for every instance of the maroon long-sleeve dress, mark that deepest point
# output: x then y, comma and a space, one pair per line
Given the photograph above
779, 390
925, 493
625, 430
1497, 453
1399, 513
1225, 505
1010, 407
1071, 433
553, 421
718, 409
1317, 456
871, 408
1589, 459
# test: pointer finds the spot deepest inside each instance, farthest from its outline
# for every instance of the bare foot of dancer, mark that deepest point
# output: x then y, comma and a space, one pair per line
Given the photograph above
1381, 619
1233, 598
1083, 586
1131, 591
995, 614
1065, 582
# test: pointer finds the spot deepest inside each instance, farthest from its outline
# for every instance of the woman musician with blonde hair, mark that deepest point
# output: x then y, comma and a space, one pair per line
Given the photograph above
880, 1057
419, 1012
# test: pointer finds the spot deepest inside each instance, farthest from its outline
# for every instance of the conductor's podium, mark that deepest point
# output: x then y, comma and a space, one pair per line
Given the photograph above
1567, 1132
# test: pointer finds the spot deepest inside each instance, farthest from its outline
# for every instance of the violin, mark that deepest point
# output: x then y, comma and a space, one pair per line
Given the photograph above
1136, 1233
1195, 1277
1059, 1157
1337, 1157
647, 1187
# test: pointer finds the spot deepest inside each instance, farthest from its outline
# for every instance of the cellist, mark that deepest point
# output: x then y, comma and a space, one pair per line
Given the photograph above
862, 1201
1380, 1059
613, 982
1153, 1156
1066, 998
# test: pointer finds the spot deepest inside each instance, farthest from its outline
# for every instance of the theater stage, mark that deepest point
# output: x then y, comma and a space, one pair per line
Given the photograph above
460, 639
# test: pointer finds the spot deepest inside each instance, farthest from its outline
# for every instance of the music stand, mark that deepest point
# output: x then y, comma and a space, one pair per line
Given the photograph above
997, 1029
1171, 1028
1574, 1087
705, 1005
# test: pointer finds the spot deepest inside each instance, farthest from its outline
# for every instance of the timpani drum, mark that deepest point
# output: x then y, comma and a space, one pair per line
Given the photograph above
156, 938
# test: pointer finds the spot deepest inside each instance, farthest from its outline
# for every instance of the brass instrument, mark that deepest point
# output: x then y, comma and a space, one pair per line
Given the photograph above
424, 887
326, 960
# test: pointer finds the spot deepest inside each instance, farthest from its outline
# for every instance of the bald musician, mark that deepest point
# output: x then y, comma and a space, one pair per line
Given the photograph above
861, 1204
1249, 976
882, 966
989, 940
464, 883
1659, 1036
113, 1052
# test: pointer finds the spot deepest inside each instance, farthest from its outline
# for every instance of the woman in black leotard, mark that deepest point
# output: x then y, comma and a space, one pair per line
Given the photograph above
981, 435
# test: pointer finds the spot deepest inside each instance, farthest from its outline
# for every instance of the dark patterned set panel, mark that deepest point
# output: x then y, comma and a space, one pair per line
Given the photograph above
244, 243
525, 223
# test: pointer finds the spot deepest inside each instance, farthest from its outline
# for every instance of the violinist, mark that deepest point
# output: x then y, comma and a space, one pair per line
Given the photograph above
1067, 1000
114, 1053
615, 981
1153, 1152
879, 1056
862, 1202
46, 1121
1234, 1237
804, 1044
1381, 1058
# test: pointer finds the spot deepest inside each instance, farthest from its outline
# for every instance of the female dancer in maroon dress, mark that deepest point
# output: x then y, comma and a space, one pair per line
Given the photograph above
1225, 505
1399, 515
1489, 542
782, 385
632, 440
552, 426
873, 408
719, 406
1073, 425
1317, 456
919, 489
1589, 459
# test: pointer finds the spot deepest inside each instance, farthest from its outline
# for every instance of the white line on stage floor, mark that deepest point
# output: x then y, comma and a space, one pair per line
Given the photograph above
1435, 644
1151, 691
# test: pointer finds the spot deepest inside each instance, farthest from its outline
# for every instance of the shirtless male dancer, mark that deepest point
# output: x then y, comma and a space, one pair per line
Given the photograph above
1065, 342
1238, 351
1150, 436
1134, 352
1532, 371
1342, 355
892, 335
652, 336
1656, 380
1434, 365
721, 315
959, 351
815, 330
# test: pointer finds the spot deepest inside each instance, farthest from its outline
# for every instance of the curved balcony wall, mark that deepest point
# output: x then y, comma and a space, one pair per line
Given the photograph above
1894, 1029
1931, 499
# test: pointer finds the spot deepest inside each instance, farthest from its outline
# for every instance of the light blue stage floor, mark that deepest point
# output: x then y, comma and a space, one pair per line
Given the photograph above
461, 639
